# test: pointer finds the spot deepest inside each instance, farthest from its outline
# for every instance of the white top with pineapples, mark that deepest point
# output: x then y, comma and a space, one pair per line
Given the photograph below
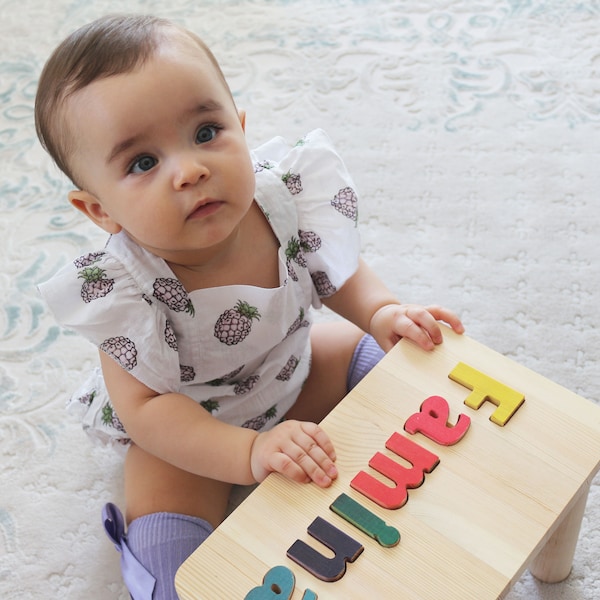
240, 351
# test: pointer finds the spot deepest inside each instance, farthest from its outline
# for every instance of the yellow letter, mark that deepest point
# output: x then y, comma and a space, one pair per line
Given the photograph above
485, 388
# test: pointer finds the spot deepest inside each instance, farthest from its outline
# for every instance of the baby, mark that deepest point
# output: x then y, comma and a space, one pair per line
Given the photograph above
200, 304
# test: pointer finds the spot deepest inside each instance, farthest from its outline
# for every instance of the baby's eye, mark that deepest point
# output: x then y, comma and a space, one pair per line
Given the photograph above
143, 164
206, 133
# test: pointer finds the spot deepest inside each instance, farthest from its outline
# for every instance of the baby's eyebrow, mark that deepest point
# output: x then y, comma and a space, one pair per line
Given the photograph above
126, 144
209, 106
122, 147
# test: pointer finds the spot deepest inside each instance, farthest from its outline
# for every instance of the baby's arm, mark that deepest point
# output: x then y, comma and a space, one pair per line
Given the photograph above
178, 430
366, 301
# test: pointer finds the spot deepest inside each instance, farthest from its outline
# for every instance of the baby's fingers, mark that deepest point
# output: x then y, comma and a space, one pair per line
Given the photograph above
419, 325
307, 456
447, 316
316, 434
301, 472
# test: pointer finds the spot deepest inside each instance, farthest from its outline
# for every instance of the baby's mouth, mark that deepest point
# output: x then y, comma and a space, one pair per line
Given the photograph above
205, 209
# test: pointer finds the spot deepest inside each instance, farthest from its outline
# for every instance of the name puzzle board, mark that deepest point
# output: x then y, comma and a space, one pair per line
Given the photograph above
458, 469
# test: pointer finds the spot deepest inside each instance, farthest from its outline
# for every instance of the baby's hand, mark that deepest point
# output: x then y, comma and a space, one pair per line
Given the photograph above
301, 451
418, 323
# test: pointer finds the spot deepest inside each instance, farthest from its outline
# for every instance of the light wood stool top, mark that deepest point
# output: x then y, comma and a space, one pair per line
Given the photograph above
500, 499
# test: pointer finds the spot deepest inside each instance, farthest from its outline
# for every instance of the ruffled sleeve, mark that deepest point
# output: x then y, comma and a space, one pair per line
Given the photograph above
315, 177
97, 297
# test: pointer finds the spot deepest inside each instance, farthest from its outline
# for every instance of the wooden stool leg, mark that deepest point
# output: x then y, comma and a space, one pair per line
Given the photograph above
555, 559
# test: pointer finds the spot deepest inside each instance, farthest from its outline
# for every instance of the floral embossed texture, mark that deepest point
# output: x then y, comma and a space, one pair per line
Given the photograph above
473, 133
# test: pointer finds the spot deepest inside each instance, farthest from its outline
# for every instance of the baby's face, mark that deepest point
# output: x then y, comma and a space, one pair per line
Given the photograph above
162, 154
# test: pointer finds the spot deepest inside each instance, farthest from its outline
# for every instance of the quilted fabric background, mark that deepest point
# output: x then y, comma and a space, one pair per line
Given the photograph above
472, 129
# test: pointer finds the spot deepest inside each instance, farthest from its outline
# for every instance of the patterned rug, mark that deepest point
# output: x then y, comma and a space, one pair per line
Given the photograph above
473, 133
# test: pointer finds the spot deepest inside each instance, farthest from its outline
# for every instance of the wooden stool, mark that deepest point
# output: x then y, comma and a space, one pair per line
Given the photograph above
476, 501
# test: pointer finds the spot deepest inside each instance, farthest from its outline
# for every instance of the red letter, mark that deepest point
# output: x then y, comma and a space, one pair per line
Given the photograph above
432, 422
422, 460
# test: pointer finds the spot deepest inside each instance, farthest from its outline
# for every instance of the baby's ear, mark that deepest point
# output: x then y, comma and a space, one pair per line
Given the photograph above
91, 208
242, 115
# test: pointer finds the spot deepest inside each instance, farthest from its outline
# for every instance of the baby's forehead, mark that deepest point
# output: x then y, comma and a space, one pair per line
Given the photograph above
186, 46
173, 41
143, 87
169, 42
169, 46
182, 40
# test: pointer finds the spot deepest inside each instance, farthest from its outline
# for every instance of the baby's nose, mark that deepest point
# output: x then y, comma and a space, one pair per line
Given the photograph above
189, 170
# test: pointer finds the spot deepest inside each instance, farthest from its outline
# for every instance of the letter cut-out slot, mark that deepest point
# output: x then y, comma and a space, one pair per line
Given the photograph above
345, 549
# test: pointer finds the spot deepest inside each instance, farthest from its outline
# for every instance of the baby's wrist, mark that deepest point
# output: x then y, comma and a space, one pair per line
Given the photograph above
251, 460
377, 315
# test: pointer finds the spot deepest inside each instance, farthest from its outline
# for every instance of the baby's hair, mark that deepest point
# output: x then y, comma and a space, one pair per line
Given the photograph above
108, 46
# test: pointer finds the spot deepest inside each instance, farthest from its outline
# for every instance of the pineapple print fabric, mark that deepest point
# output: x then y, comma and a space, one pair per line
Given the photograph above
241, 352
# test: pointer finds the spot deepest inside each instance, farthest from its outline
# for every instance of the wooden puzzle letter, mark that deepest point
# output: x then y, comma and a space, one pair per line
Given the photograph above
278, 584
432, 422
344, 547
485, 388
363, 519
422, 462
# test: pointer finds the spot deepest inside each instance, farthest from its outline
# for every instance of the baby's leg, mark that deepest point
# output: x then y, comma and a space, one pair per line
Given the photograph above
170, 513
333, 353
152, 485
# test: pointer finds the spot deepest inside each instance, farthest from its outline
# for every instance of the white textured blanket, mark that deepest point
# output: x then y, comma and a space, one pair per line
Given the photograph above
473, 131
